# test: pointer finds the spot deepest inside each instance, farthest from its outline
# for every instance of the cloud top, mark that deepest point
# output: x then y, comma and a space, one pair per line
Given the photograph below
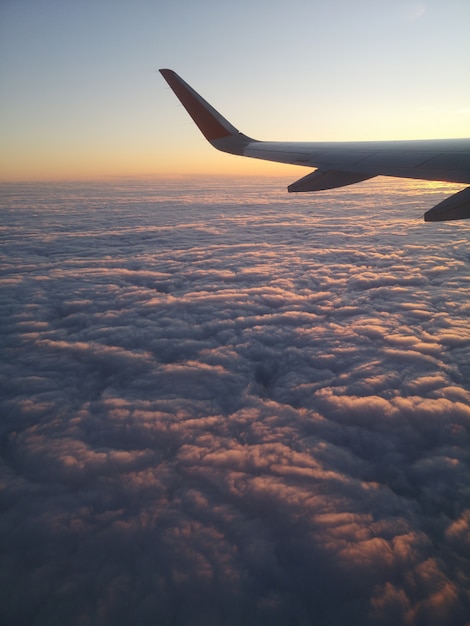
233, 410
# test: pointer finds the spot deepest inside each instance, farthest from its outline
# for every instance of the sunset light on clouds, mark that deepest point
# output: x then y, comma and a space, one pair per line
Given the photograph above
81, 97
223, 404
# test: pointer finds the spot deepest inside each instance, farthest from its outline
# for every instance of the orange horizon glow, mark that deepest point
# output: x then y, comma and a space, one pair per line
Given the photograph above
164, 158
175, 166
96, 108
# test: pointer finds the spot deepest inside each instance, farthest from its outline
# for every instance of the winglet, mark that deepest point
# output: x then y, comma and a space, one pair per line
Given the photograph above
212, 125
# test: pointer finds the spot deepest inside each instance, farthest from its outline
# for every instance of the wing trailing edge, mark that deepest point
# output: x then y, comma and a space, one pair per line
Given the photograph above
331, 179
341, 163
457, 207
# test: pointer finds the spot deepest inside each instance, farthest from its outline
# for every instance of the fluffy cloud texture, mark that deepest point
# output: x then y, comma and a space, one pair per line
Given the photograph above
224, 404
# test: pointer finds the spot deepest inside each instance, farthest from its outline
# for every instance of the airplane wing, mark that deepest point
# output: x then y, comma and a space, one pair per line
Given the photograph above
341, 163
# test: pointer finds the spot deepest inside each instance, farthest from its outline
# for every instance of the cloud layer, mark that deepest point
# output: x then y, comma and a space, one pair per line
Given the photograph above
223, 404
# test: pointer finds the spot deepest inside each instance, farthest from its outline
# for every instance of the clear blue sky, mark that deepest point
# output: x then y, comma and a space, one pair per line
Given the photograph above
81, 96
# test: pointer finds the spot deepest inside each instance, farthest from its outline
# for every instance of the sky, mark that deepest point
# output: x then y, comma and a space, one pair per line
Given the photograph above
224, 404
81, 96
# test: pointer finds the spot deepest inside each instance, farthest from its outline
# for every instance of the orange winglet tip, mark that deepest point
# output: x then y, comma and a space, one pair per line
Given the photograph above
212, 125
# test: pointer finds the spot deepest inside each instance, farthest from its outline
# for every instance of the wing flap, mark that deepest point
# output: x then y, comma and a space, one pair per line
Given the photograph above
457, 207
320, 180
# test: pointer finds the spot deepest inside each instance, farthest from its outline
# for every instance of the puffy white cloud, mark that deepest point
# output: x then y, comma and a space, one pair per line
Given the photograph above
233, 408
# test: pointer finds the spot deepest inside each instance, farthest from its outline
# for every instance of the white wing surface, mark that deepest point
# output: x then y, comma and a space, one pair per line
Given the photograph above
341, 163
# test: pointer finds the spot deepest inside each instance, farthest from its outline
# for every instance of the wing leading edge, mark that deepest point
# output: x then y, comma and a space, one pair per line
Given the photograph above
341, 163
